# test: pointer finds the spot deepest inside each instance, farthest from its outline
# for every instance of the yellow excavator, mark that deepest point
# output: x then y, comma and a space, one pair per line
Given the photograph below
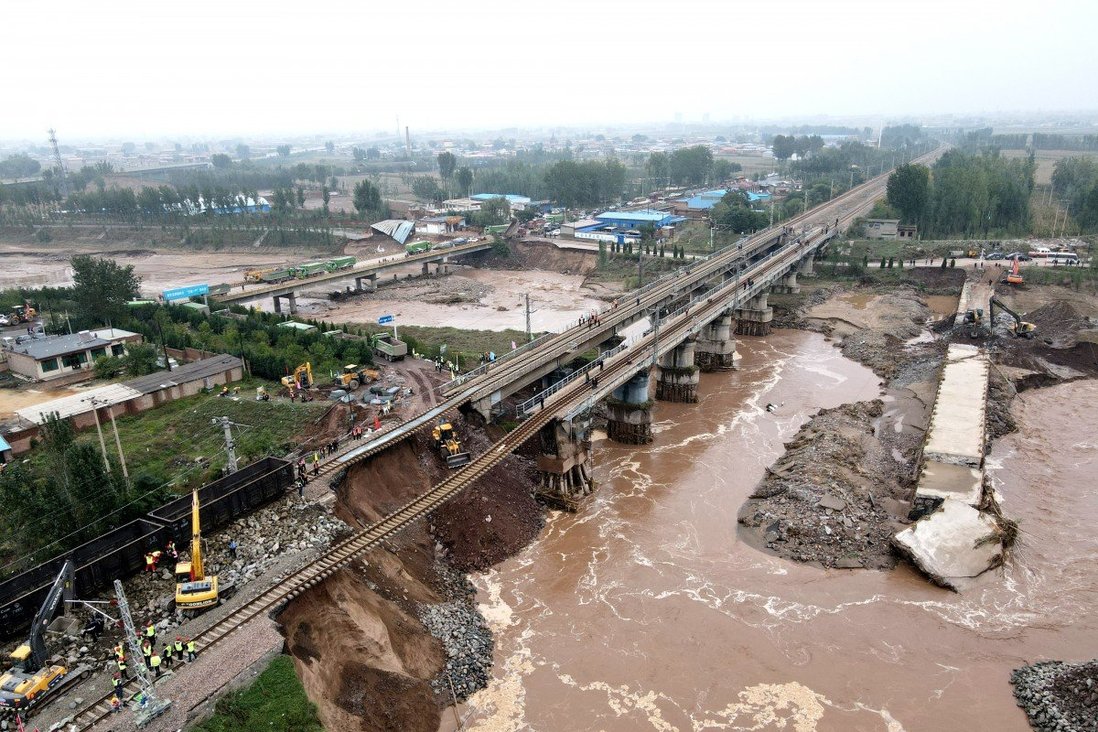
303, 376
1018, 328
194, 591
449, 447
354, 377
32, 680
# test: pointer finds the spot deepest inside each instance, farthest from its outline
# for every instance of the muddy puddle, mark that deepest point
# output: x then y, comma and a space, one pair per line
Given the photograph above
646, 611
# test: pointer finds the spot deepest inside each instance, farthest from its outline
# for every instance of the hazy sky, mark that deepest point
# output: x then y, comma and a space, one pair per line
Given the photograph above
143, 70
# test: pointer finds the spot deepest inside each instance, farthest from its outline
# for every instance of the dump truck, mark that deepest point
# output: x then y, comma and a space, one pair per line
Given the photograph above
389, 347
275, 276
256, 275
339, 263
353, 377
32, 679
417, 247
308, 269
449, 447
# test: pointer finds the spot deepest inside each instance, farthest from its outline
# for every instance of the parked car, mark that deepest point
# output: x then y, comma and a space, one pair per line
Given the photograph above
1020, 256
4, 320
995, 255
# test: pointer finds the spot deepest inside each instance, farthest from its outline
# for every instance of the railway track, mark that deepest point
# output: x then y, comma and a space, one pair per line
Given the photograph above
569, 399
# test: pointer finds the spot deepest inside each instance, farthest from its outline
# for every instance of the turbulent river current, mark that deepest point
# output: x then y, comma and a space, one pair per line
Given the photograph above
645, 610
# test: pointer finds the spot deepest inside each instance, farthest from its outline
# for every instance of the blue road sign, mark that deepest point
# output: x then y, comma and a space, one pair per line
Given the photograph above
385, 320
182, 293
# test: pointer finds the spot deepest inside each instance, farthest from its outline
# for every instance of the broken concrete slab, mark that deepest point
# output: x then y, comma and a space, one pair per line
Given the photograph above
954, 543
945, 480
956, 432
832, 502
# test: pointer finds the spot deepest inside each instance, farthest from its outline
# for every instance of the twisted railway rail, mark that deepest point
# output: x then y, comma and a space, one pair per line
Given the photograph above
571, 399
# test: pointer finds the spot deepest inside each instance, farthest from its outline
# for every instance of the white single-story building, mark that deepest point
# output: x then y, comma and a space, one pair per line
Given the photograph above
48, 357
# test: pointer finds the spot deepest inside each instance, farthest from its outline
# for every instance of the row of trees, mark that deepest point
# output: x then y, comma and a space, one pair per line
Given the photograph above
586, 183
693, 165
966, 194
1076, 180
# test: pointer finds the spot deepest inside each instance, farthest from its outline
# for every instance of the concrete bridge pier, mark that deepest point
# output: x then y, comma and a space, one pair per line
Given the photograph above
291, 298
805, 266
754, 318
629, 419
372, 283
715, 348
564, 463
788, 284
678, 377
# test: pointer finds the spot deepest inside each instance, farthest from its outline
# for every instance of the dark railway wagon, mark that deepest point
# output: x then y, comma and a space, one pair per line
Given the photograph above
115, 554
228, 498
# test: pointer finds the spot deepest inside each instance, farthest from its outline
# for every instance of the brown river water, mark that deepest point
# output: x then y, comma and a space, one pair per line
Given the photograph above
646, 611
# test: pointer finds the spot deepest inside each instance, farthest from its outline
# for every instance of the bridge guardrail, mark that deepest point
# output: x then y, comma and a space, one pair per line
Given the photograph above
527, 406
485, 367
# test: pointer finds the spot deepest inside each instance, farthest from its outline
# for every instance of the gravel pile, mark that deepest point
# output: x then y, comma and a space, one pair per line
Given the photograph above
468, 644
1058, 696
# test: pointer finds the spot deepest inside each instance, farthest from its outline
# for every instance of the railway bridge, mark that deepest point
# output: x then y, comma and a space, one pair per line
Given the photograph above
365, 275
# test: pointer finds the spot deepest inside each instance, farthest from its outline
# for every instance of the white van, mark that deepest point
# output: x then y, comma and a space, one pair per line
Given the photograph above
1039, 252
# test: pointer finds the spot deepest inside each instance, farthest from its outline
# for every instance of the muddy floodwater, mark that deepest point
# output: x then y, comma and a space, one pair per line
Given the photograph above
646, 611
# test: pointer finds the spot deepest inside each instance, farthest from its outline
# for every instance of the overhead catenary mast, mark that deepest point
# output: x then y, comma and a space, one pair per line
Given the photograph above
59, 163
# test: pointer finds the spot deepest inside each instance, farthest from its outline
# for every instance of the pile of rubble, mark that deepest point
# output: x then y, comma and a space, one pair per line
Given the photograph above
832, 498
468, 644
1058, 696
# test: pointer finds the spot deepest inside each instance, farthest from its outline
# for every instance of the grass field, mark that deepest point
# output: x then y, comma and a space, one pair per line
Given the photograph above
469, 343
275, 702
1046, 160
178, 442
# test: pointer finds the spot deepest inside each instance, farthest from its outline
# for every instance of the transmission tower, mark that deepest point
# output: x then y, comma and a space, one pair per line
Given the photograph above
151, 706
60, 165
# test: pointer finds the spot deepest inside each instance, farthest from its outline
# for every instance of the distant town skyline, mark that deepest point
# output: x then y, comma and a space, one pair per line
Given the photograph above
140, 71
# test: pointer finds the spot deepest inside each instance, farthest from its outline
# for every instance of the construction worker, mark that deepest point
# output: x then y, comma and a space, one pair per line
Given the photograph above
179, 648
150, 562
232, 548
116, 704
170, 550
116, 682
166, 656
146, 650
119, 650
150, 633
192, 650
316, 464
121, 661
154, 664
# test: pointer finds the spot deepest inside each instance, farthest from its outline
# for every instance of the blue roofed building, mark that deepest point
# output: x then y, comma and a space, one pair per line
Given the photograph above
636, 219
516, 202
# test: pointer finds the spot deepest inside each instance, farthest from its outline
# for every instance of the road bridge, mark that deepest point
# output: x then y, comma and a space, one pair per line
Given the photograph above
367, 272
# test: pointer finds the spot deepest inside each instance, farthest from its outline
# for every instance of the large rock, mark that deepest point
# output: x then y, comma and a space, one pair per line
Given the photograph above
953, 543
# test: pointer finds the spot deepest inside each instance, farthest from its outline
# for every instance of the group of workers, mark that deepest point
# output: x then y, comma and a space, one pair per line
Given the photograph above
152, 559
156, 662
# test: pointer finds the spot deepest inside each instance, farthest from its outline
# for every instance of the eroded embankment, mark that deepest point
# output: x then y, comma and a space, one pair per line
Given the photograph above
391, 641
843, 487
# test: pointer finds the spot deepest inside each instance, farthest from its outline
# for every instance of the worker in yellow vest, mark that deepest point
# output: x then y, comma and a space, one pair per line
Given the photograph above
192, 650
155, 664
150, 633
166, 656
179, 648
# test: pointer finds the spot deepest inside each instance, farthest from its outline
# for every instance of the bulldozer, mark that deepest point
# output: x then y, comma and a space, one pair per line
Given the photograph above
1018, 328
194, 590
33, 680
449, 447
302, 377
354, 377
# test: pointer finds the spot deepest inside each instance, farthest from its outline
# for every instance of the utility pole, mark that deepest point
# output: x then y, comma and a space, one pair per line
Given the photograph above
230, 446
640, 265
151, 707
656, 337
118, 443
102, 444
529, 335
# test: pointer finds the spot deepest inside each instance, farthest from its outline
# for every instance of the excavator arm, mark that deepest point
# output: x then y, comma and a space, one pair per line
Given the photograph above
34, 654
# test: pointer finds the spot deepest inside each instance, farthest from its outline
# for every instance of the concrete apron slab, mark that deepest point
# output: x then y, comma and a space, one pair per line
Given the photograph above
956, 433
945, 480
954, 543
